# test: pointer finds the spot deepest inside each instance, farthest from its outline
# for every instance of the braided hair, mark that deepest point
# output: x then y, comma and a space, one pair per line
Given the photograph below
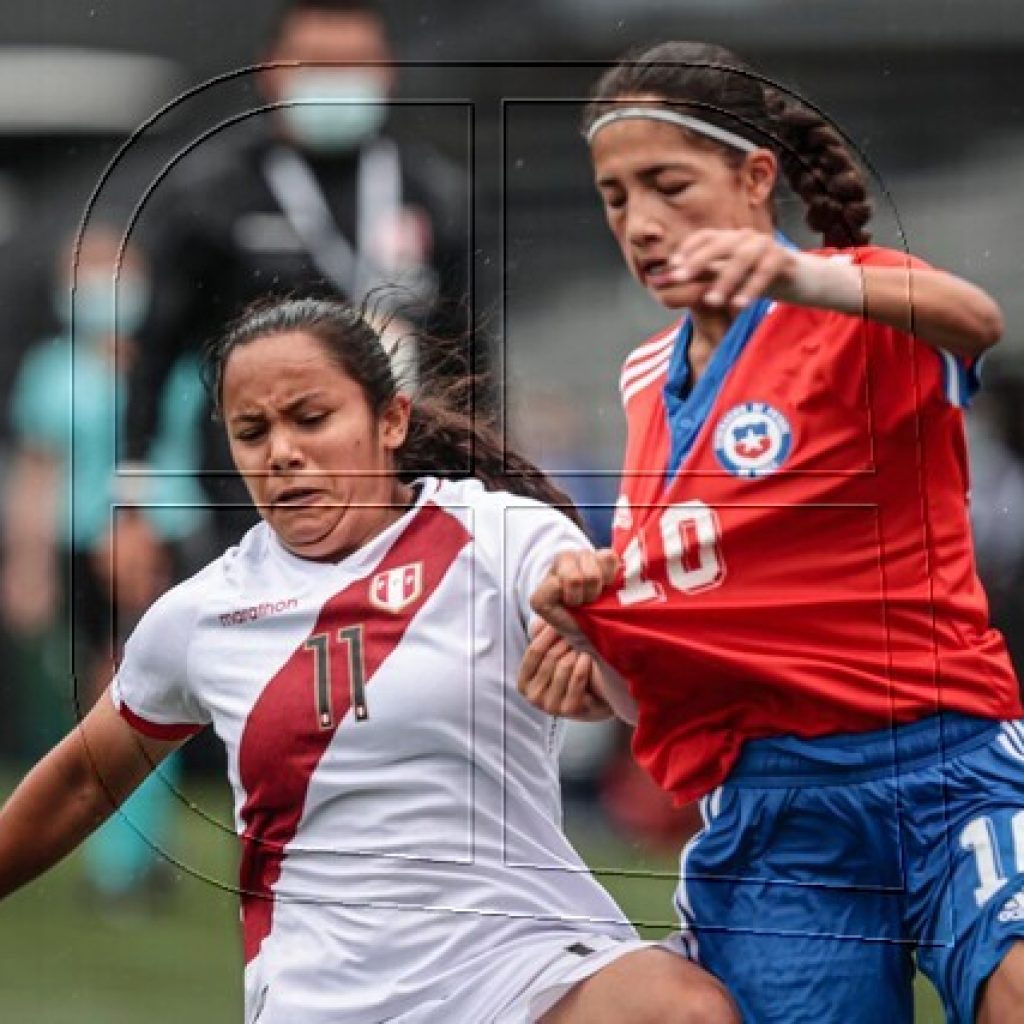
712, 83
446, 436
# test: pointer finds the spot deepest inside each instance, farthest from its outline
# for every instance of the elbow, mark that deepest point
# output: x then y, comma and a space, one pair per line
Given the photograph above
985, 326
990, 327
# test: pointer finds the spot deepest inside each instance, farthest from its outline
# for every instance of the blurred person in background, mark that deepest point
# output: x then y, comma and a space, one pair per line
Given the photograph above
312, 195
60, 564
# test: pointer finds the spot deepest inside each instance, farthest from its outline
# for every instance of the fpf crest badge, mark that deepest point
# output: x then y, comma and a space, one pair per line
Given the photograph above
753, 439
394, 590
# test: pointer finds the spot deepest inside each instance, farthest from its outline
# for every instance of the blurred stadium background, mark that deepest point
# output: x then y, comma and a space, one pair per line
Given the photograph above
928, 91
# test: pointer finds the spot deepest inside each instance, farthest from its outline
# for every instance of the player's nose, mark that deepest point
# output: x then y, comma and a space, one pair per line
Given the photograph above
642, 223
284, 452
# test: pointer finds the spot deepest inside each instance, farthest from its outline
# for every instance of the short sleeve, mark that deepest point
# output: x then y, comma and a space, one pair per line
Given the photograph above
534, 535
152, 690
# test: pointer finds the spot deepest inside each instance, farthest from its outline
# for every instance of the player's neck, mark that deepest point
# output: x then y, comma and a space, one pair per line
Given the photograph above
709, 328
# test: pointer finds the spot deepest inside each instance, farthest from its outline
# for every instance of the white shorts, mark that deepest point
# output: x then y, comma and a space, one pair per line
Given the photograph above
568, 966
515, 983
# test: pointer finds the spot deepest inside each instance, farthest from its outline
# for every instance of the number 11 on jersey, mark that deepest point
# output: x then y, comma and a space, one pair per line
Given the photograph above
319, 644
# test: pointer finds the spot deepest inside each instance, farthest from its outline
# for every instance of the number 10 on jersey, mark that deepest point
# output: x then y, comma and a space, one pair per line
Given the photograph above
319, 645
690, 538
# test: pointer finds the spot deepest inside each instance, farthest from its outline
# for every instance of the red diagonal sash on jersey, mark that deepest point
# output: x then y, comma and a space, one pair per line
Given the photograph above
283, 741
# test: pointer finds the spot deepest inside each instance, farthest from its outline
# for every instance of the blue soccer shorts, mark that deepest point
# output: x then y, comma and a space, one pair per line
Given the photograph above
825, 865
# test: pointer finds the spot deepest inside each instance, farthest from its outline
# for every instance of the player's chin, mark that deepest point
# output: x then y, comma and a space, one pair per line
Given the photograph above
308, 526
317, 541
676, 296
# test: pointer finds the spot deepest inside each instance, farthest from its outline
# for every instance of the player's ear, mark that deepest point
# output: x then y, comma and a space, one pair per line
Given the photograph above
393, 423
758, 175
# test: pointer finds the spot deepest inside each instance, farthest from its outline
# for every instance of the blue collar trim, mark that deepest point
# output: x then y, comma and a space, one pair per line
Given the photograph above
686, 415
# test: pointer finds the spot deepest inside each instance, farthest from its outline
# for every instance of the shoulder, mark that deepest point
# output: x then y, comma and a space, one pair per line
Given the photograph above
219, 174
47, 357
176, 610
42, 388
503, 524
647, 363
874, 256
488, 505
228, 571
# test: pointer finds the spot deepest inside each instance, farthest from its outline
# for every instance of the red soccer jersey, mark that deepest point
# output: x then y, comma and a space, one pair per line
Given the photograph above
808, 570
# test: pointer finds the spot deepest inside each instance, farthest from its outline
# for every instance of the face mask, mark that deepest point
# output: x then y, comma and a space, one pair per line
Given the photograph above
331, 111
96, 299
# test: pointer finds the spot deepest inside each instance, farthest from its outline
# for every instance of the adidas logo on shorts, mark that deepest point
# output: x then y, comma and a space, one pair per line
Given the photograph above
1013, 909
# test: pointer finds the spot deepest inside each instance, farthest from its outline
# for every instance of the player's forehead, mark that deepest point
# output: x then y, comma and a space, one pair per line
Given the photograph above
636, 147
344, 37
280, 368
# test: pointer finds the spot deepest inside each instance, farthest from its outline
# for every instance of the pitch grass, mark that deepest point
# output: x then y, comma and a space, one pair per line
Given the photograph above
66, 960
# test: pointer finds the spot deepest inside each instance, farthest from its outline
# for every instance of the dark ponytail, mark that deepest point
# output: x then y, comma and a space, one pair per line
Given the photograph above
447, 436
821, 171
715, 85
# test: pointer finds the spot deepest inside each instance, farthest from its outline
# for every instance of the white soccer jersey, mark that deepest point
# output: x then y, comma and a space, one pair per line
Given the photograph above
397, 800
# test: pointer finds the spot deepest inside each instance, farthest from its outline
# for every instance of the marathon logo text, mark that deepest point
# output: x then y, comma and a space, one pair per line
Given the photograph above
257, 611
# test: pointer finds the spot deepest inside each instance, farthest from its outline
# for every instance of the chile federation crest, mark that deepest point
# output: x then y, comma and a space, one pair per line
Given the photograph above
752, 439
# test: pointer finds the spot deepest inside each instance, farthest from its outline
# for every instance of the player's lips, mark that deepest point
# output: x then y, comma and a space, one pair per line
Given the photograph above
655, 272
296, 497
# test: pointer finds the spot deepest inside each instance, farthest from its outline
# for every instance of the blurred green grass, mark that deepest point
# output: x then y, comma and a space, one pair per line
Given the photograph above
65, 959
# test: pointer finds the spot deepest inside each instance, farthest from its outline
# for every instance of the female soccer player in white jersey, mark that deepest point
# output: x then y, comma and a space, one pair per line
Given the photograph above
397, 800
798, 614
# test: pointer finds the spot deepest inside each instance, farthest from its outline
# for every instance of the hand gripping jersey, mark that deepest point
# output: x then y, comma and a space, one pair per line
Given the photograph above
807, 569
397, 800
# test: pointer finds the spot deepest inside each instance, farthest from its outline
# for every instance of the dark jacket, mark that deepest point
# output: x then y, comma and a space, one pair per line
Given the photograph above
218, 235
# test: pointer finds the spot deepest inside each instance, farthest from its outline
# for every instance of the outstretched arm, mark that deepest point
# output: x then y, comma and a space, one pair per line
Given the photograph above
72, 791
730, 269
939, 308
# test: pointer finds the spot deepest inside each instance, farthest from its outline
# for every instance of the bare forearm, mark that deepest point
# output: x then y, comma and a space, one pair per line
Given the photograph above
56, 806
72, 791
936, 307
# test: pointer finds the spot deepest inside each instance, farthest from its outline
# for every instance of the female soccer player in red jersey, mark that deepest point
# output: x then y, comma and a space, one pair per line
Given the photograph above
396, 799
797, 614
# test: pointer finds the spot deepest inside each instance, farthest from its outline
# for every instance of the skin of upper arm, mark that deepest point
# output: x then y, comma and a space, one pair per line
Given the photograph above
937, 307
119, 756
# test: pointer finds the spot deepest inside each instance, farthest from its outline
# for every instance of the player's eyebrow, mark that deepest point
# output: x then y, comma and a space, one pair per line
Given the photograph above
289, 407
307, 396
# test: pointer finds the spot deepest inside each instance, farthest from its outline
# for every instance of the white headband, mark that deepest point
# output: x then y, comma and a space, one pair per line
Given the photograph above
671, 117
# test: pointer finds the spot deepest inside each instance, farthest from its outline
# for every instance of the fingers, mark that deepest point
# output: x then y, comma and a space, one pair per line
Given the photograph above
540, 646
609, 562
576, 578
583, 575
545, 670
737, 266
548, 603
556, 678
574, 699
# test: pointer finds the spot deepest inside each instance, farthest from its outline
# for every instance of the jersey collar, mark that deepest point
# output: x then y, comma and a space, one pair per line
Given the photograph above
687, 415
